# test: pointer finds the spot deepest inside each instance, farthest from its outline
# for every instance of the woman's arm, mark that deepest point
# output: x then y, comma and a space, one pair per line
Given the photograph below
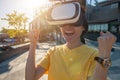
32, 71
105, 42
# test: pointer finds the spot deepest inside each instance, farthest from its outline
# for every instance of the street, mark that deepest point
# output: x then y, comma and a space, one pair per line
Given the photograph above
14, 68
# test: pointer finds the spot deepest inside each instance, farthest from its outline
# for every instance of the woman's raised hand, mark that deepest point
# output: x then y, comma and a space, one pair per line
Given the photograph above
105, 43
34, 35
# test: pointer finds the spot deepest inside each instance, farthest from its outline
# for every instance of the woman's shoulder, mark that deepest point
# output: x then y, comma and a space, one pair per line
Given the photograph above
92, 50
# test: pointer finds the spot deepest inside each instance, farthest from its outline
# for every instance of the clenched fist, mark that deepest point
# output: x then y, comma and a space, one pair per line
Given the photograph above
105, 43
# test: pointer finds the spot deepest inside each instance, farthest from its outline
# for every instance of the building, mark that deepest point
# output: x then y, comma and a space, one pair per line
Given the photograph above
3, 36
105, 16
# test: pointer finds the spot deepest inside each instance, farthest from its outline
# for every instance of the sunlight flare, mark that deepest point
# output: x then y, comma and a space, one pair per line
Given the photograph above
36, 3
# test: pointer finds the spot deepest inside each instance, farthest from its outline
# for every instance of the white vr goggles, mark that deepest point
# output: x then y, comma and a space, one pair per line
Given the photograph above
64, 13
61, 14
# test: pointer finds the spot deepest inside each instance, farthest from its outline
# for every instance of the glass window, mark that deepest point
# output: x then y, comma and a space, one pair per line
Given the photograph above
113, 29
104, 27
89, 28
94, 2
94, 27
98, 28
114, 5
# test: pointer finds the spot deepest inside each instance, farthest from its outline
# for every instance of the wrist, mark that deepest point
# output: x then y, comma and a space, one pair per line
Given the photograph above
104, 55
105, 62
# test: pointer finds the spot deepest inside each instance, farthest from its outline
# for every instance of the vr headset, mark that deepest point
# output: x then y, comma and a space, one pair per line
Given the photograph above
66, 13
61, 14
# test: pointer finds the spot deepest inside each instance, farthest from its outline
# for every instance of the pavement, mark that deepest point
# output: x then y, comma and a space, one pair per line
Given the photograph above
14, 68
114, 71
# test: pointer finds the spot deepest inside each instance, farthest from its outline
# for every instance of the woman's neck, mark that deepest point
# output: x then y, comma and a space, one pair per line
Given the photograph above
73, 44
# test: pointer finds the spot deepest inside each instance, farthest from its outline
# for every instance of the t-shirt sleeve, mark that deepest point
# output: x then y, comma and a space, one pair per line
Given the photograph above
45, 61
92, 63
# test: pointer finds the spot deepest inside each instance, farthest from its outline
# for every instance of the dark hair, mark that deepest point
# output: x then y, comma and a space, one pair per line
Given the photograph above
83, 22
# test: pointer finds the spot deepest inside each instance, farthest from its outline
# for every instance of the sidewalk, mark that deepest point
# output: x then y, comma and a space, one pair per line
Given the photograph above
14, 67
13, 50
114, 71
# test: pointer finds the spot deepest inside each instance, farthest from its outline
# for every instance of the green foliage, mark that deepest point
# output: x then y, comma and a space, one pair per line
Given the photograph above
18, 34
17, 20
21, 33
4, 30
11, 33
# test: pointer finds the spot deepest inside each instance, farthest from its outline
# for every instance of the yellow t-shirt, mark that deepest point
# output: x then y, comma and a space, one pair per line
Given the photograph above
63, 63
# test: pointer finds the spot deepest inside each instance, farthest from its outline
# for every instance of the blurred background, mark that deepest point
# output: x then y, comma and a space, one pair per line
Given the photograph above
16, 17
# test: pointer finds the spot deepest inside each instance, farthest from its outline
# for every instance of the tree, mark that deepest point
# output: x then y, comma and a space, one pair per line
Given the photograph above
17, 20
4, 30
24, 21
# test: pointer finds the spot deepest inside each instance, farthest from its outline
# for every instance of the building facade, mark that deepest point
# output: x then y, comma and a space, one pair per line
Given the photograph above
105, 16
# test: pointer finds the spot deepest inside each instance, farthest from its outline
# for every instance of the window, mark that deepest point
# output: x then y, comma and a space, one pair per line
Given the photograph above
104, 27
98, 27
113, 29
114, 5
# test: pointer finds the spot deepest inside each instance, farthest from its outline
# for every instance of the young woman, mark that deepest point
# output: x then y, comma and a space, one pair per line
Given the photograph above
74, 60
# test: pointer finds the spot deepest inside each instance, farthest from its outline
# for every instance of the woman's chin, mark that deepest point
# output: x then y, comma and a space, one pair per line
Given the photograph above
68, 40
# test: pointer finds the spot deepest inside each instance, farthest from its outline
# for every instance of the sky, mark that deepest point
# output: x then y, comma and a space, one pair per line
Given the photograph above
21, 6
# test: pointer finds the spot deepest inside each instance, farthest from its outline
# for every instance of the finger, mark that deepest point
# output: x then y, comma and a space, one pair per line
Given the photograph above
108, 33
34, 26
35, 31
111, 36
102, 33
101, 40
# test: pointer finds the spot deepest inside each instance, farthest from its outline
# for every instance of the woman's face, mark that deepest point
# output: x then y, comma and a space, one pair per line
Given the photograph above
71, 33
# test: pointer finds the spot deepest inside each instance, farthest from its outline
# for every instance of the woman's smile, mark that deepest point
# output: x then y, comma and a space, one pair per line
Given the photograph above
69, 33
